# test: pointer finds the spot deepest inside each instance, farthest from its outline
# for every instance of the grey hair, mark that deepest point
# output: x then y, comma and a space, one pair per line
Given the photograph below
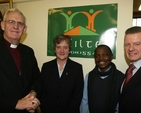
14, 10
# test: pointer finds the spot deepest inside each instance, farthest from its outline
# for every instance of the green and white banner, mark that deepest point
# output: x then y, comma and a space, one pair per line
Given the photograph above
88, 26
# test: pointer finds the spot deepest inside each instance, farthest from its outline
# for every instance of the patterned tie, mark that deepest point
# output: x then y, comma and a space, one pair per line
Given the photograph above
129, 73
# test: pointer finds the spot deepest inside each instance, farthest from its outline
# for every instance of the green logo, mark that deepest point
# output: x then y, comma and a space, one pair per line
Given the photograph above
88, 27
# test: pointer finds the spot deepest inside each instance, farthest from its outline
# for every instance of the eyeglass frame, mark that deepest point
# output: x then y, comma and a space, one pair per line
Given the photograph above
13, 22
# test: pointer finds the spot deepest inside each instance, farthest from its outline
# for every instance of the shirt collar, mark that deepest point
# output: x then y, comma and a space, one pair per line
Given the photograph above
10, 45
137, 64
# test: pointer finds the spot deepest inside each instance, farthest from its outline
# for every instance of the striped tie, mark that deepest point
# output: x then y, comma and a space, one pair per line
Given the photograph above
129, 73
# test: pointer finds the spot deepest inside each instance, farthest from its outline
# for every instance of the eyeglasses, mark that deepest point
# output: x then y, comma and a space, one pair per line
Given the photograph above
12, 22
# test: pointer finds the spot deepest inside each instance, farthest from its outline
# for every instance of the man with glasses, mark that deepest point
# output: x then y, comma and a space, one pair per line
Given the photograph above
19, 73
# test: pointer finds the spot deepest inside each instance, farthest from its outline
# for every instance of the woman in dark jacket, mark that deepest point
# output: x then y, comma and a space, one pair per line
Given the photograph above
62, 80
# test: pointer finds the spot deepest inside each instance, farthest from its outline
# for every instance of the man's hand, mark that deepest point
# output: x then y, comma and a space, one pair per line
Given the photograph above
34, 100
29, 102
24, 103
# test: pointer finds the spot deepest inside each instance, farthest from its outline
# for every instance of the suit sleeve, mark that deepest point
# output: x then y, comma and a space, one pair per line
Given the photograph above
36, 79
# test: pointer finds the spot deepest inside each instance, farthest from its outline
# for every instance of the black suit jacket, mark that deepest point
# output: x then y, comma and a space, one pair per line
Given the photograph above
61, 95
130, 101
12, 85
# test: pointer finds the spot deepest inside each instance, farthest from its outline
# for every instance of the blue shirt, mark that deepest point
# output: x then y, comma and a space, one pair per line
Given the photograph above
84, 108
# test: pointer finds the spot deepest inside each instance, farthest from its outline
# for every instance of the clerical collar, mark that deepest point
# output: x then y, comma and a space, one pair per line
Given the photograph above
13, 46
9, 45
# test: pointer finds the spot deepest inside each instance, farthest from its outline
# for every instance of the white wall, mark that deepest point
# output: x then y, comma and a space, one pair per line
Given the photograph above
36, 12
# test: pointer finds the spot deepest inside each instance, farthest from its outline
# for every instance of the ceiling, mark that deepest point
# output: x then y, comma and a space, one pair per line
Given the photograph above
136, 4
136, 13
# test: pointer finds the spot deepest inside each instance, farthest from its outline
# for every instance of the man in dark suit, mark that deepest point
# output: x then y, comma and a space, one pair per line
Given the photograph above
62, 80
130, 101
19, 73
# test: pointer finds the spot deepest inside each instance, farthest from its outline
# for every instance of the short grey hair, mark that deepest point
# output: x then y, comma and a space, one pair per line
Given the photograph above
14, 10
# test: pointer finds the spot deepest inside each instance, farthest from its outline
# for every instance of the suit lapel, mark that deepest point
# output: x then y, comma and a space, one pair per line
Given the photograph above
54, 69
133, 81
7, 58
24, 59
68, 69
7, 62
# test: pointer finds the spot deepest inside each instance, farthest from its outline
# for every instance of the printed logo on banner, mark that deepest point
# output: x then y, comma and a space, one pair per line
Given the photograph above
88, 27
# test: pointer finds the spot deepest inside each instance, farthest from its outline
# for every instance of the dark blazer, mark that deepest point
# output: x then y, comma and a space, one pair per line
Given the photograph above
12, 85
61, 95
130, 101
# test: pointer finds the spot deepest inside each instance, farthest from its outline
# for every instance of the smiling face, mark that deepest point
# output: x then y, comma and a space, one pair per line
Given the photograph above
62, 51
103, 57
132, 46
13, 30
